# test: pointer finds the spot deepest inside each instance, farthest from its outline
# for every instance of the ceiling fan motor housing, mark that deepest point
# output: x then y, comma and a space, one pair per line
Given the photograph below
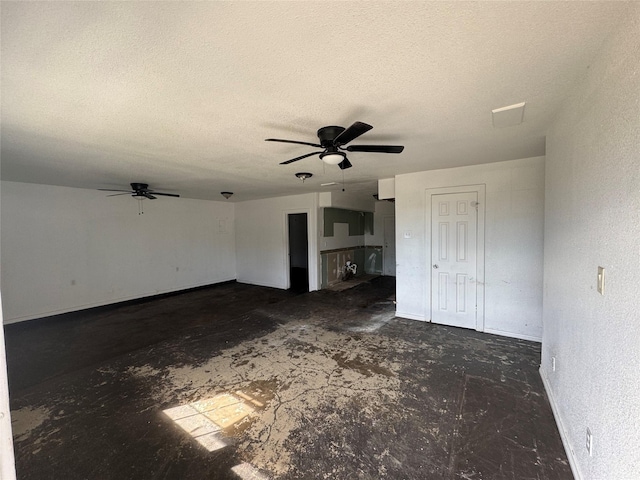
326, 135
139, 186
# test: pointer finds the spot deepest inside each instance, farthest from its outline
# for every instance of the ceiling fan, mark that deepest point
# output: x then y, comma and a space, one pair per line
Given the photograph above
333, 139
139, 191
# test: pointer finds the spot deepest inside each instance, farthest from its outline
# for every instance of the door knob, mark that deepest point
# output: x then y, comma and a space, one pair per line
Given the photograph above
435, 266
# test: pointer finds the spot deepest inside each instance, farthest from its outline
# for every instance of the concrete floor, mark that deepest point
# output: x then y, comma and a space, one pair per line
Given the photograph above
244, 382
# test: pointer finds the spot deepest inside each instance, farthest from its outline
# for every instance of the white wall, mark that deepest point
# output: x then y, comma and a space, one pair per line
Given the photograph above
262, 240
383, 209
386, 188
66, 249
592, 218
513, 243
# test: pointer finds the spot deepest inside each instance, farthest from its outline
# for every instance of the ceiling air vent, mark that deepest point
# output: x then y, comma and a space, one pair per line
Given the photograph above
508, 116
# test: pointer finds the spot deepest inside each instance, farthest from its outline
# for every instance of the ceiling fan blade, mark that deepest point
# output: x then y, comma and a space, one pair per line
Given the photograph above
148, 195
345, 164
300, 158
354, 131
375, 148
116, 194
112, 190
292, 141
163, 194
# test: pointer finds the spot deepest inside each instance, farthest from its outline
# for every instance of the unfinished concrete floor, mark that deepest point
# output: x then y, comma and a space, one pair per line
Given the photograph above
244, 382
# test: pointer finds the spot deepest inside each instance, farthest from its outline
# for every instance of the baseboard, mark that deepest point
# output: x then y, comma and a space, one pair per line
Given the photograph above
520, 336
573, 462
411, 316
114, 303
261, 284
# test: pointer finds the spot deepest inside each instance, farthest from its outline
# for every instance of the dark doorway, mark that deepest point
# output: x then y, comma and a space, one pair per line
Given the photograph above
298, 252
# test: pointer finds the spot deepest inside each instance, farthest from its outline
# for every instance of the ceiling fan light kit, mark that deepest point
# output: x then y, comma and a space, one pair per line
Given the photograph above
332, 158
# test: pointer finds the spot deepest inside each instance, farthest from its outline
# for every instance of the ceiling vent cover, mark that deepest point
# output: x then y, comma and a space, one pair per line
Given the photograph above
508, 116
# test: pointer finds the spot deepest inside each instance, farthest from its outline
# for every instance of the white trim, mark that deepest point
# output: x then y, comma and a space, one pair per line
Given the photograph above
412, 316
520, 336
564, 435
86, 306
7, 459
312, 241
312, 246
384, 248
481, 191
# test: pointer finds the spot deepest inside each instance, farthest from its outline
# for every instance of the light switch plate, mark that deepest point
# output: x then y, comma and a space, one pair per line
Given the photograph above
601, 280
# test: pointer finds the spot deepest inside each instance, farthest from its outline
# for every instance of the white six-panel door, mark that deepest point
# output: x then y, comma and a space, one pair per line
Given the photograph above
454, 222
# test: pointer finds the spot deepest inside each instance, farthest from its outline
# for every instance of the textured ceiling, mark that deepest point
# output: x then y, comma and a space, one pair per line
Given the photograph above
182, 95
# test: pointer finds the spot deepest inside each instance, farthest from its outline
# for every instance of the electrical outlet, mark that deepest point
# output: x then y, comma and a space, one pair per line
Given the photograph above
553, 364
589, 442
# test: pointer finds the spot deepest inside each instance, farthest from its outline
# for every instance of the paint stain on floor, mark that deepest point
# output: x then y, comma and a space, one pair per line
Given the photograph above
294, 372
315, 386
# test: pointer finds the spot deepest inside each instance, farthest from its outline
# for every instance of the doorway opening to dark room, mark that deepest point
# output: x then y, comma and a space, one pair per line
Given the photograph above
298, 252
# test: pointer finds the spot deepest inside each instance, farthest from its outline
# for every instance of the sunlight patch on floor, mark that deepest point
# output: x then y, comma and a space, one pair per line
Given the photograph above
246, 471
205, 419
375, 323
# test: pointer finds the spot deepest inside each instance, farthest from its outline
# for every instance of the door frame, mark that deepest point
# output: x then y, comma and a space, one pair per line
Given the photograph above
480, 189
384, 218
312, 248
